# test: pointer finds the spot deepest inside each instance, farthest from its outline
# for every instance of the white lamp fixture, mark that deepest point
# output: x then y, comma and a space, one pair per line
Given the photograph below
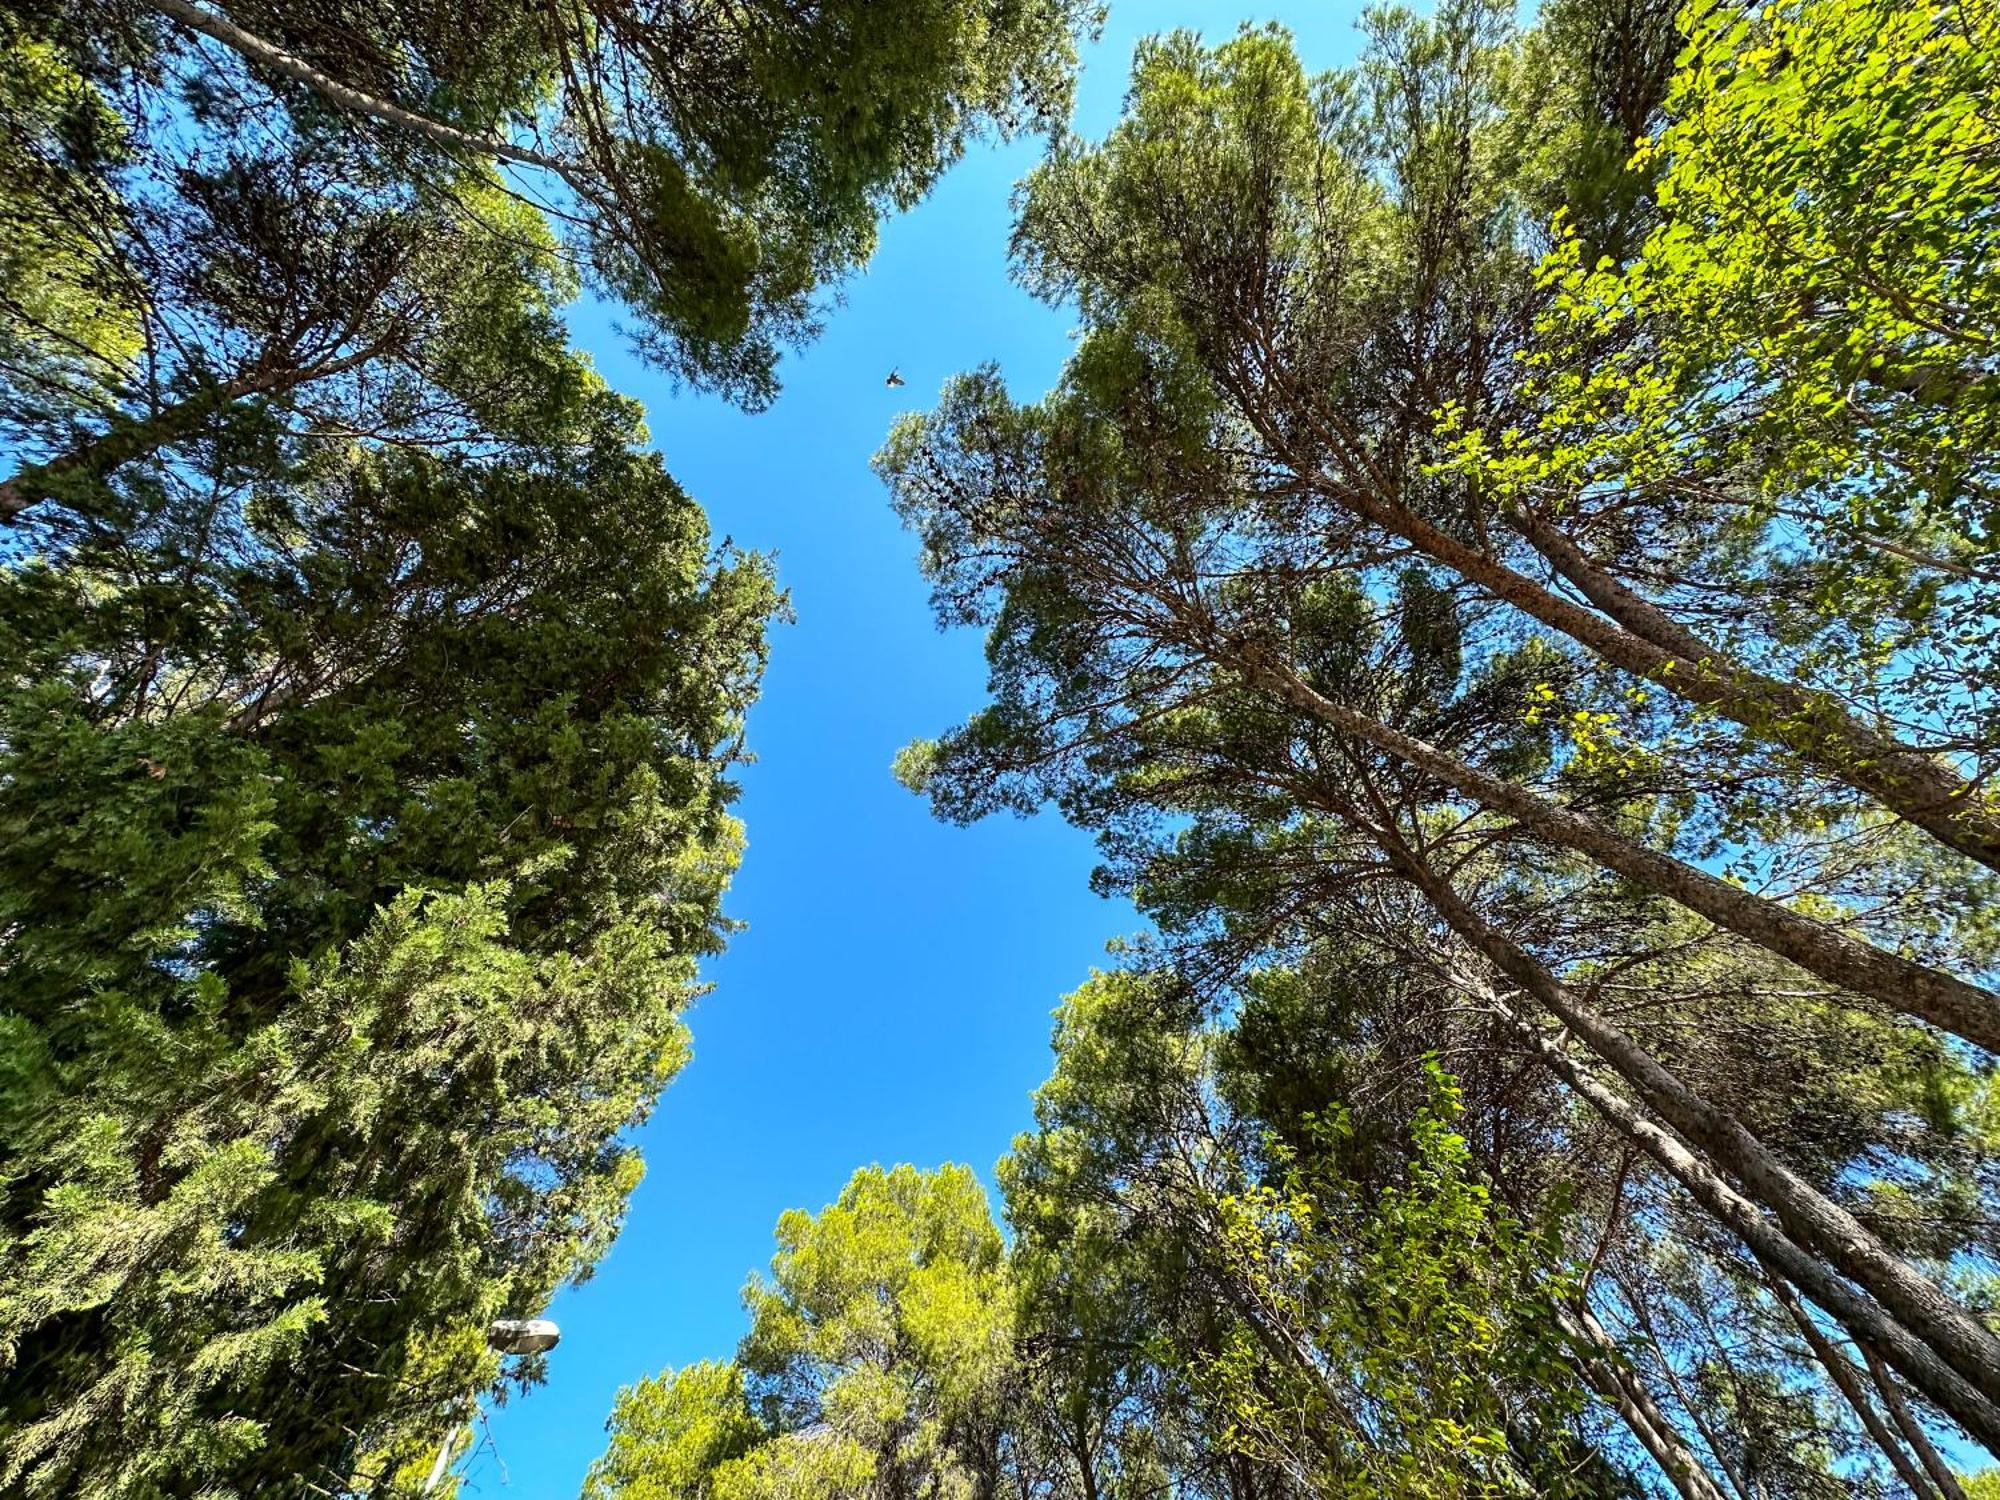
523, 1335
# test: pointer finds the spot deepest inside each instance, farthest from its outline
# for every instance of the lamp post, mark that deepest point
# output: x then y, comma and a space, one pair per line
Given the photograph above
523, 1335
503, 1336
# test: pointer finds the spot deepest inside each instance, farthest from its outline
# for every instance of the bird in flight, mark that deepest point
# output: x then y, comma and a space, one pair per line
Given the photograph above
895, 379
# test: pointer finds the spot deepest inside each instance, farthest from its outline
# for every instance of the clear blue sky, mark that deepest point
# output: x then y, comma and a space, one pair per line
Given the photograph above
891, 997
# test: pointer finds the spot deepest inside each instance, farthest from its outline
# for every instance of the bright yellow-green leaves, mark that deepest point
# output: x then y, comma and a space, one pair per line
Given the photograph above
69, 318
1383, 588
1358, 1338
1184, 1288
1810, 331
669, 1435
878, 1361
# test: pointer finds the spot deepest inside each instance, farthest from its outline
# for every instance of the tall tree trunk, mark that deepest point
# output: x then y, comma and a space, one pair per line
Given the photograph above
1812, 1219
1943, 1000
1862, 1317
1848, 1382
1637, 1307
1812, 724
255, 49
1598, 1357
134, 438
1086, 1462
1906, 1421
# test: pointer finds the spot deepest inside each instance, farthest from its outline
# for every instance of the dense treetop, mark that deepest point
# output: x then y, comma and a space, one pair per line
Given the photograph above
1543, 603
369, 694
1507, 576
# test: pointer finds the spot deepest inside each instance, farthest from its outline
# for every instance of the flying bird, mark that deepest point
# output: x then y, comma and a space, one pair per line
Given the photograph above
895, 379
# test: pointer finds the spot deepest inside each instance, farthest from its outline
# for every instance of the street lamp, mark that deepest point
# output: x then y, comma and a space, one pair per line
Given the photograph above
523, 1335
503, 1336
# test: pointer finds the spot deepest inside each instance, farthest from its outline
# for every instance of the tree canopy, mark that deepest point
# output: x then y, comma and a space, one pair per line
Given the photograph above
1186, 1301
349, 921
369, 693
877, 1362
1507, 575
1541, 604
366, 220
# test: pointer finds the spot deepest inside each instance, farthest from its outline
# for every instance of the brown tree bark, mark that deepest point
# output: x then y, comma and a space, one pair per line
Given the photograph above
255, 49
1947, 1002
129, 439
1705, 1184
1941, 1472
1812, 724
1808, 1217
1809, 1221
1598, 1357
1637, 1307
1848, 1383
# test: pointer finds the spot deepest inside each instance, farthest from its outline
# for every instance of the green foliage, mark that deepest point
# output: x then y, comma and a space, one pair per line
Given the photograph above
423, 173
670, 1434
877, 1362
354, 884
59, 286
1185, 1300
1346, 1332
368, 697
1797, 360
1507, 645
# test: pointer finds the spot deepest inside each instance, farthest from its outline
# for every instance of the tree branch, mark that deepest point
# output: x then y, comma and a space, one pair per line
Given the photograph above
255, 49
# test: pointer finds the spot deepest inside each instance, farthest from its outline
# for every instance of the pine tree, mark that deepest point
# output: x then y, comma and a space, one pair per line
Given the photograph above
368, 694
1277, 608
879, 1362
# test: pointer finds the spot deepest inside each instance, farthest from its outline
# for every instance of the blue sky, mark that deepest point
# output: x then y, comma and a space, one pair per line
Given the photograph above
890, 999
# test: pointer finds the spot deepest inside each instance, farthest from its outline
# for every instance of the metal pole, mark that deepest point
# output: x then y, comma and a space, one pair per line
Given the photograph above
443, 1459
504, 1336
